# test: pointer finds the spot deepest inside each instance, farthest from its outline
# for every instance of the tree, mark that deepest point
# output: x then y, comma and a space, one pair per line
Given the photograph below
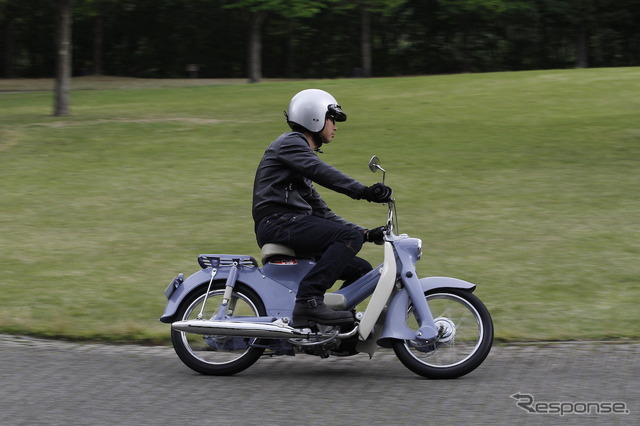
258, 10
584, 16
62, 102
366, 8
96, 12
295, 11
311, 38
468, 17
254, 64
6, 19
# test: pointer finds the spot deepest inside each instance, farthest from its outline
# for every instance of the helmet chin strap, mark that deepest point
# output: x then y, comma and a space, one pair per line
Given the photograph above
317, 141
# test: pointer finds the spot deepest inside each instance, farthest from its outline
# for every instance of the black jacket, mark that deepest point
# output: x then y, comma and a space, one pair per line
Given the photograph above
285, 176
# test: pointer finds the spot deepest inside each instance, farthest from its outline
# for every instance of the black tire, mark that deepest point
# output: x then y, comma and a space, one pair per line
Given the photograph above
217, 355
464, 345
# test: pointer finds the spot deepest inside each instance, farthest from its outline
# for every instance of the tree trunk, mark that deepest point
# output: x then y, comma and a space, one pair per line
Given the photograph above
63, 68
255, 46
8, 48
290, 49
465, 26
582, 60
98, 31
365, 42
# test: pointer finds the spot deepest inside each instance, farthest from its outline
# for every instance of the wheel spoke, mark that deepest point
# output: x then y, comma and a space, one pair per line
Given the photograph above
217, 349
210, 354
465, 336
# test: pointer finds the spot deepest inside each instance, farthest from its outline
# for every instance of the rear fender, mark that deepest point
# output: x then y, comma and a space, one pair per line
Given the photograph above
395, 321
277, 299
183, 289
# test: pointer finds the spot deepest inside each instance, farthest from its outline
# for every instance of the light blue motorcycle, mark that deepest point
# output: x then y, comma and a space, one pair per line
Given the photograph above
232, 312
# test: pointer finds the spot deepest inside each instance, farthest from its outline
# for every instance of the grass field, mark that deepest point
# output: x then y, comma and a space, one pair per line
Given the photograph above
525, 183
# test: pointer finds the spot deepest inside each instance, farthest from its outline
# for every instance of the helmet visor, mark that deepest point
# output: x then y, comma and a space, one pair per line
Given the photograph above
336, 113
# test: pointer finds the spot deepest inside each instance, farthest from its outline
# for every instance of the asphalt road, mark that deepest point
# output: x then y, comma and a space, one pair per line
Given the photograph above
51, 382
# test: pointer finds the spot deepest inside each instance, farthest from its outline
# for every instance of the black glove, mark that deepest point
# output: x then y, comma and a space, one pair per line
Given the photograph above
377, 193
376, 235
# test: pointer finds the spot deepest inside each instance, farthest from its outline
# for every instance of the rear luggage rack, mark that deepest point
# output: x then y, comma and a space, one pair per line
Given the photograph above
222, 260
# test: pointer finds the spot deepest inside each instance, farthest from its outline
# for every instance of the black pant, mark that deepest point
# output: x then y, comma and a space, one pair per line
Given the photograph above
334, 243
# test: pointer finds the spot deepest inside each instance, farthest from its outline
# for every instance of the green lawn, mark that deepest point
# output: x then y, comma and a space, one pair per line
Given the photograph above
525, 183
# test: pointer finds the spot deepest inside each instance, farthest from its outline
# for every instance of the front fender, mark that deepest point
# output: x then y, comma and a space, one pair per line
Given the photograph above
431, 283
395, 320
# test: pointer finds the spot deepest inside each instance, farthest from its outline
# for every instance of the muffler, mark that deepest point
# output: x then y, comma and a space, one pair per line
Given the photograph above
272, 330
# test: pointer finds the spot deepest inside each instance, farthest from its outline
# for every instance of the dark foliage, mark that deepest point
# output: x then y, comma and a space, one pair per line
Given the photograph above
160, 38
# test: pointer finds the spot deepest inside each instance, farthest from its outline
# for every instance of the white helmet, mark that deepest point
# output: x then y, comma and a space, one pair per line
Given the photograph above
310, 109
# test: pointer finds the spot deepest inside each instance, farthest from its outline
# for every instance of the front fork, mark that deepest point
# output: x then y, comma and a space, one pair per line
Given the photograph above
427, 331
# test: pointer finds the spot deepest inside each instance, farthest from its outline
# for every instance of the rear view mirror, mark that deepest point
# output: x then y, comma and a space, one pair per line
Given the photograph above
374, 166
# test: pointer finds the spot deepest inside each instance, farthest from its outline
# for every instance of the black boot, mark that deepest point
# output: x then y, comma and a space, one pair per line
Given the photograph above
315, 310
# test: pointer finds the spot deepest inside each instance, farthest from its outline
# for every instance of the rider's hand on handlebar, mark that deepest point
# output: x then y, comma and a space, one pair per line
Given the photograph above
376, 235
378, 193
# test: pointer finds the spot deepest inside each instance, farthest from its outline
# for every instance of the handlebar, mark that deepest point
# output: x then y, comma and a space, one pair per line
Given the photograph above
392, 217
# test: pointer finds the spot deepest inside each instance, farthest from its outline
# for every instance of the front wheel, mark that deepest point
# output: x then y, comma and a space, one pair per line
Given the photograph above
217, 355
465, 336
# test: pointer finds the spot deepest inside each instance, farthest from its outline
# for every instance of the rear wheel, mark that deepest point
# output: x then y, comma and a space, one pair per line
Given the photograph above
465, 336
217, 355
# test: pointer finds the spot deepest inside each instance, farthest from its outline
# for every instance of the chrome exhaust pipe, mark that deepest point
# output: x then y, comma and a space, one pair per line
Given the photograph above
272, 330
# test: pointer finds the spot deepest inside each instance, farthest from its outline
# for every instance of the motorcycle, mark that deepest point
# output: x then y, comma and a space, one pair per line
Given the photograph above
232, 312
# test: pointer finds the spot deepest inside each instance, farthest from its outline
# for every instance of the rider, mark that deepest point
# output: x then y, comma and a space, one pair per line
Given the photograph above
287, 209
